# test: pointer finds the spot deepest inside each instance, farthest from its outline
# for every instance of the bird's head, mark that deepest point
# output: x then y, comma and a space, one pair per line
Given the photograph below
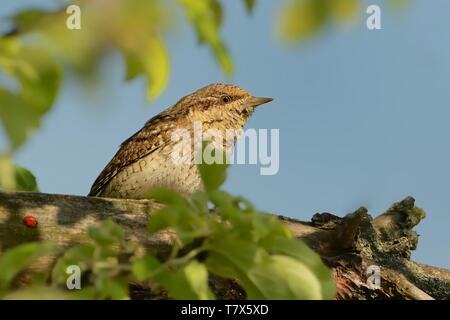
227, 105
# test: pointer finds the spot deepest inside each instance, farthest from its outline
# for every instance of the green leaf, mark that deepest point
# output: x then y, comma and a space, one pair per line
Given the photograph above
113, 288
300, 19
144, 267
189, 283
25, 180
19, 119
214, 174
206, 18
187, 224
249, 5
134, 66
7, 177
345, 10
178, 215
39, 78
107, 233
36, 71
151, 60
41, 89
239, 213
284, 278
81, 255
299, 250
265, 228
28, 20
18, 258
167, 196
221, 199
263, 276
14, 177
234, 258
163, 218
197, 276
199, 201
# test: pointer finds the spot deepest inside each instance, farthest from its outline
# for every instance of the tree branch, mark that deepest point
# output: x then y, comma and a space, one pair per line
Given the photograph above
349, 245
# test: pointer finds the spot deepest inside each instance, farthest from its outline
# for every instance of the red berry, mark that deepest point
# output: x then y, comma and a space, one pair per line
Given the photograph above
30, 221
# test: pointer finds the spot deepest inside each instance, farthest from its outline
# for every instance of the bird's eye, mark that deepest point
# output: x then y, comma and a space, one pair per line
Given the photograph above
226, 99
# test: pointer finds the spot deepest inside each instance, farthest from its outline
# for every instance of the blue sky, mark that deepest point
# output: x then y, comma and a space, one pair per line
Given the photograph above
363, 115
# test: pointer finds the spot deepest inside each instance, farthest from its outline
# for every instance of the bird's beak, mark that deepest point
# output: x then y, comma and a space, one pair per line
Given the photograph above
256, 101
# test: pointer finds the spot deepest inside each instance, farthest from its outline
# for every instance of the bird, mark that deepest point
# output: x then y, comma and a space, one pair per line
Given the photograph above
143, 161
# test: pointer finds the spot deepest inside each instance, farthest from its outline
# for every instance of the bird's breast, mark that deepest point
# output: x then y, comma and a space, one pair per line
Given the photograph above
153, 171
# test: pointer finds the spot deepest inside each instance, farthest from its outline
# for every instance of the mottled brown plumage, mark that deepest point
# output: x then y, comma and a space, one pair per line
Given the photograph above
143, 161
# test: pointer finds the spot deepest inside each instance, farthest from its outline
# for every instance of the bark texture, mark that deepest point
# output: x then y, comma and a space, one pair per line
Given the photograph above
355, 246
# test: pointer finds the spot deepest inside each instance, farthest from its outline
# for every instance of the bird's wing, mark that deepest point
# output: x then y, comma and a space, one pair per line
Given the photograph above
153, 136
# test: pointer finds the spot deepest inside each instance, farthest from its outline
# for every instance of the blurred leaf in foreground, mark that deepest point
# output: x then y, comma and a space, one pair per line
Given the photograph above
18, 258
25, 180
214, 174
238, 242
133, 27
233, 241
206, 17
250, 5
38, 79
16, 178
188, 283
7, 178
301, 19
